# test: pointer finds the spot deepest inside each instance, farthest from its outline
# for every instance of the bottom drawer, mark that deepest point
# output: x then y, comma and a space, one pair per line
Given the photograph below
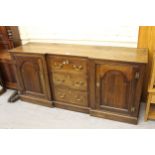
71, 96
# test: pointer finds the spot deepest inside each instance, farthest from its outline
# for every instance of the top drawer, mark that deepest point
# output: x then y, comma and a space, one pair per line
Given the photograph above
67, 63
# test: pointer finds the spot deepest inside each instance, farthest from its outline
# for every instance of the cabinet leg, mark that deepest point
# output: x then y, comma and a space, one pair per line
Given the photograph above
14, 97
2, 90
2, 87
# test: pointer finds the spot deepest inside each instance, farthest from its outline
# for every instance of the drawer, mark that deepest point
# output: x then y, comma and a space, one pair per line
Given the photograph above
69, 64
70, 80
71, 96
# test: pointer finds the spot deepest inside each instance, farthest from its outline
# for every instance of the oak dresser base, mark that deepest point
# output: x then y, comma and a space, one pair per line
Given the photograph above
36, 100
114, 116
101, 81
71, 107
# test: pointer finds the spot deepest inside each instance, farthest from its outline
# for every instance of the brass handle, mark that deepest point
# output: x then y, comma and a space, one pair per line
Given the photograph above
97, 84
59, 66
62, 96
78, 68
133, 109
60, 81
137, 75
77, 98
79, 83
65, 62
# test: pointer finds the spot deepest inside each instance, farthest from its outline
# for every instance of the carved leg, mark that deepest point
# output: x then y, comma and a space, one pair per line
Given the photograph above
14, 97
2, 87
2, 90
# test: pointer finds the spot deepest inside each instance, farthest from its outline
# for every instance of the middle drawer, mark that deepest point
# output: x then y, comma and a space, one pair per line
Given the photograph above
70, 80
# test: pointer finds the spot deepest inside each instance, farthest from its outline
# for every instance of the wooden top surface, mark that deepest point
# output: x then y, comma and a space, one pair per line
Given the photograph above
95, 52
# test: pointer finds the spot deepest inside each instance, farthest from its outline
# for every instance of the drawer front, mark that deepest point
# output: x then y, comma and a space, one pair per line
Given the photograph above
70, 96
62, 63
70, 80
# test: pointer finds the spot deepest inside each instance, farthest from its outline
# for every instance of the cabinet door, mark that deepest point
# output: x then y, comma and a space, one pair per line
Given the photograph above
32, 75
115, 87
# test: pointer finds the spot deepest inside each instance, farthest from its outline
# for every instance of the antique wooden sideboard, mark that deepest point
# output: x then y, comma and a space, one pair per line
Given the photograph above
102, 81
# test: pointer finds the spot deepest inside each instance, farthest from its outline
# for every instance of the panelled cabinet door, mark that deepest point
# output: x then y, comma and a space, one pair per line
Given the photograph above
115, 87
31, 75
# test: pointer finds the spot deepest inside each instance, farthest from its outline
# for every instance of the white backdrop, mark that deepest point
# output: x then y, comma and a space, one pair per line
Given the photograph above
126, 36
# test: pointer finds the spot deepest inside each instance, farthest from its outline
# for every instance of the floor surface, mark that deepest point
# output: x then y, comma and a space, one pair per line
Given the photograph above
27, 115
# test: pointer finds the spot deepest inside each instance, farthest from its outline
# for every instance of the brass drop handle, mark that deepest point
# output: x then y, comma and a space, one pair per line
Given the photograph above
59, 66
78, 98
62, 96
65, 62
61, 81
137, 75
79, 83
97, 84
133, 109
78, 68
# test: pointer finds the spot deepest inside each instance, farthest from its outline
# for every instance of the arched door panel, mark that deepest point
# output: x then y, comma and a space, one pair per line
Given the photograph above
115, 86
31, 75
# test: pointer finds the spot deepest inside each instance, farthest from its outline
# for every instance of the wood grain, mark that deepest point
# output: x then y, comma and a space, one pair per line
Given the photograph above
69, 82
31, 73
103, 81
9, 38
96, 52
150, 110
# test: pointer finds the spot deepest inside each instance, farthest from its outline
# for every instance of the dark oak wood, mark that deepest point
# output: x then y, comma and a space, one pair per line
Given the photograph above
5, 41
115, 83
14, 35
72, 107
9, 38
122, 54
118, 88
71, 96
32, 76
35, 100
108, 88
69, 81
114, 116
